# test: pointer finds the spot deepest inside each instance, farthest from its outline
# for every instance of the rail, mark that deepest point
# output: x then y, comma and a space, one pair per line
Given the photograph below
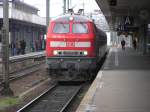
55, 99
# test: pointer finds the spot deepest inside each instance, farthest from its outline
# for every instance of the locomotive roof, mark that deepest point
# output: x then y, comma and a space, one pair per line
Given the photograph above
76, 18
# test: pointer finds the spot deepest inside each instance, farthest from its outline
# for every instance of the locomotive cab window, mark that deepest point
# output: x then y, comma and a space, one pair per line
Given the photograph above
80, 28
61, 28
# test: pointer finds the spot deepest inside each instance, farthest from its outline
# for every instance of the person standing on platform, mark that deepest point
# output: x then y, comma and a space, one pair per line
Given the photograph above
13, 48
123, 44
134, 44
23, 46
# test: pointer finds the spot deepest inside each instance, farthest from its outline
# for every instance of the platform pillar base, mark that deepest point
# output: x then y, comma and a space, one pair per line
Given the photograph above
6, 91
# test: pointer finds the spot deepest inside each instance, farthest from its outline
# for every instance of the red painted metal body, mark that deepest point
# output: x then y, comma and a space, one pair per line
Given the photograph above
70, 39
74, 42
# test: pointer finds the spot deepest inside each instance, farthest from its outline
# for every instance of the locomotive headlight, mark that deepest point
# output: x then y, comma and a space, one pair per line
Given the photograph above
55, 52
85, 53
71, 18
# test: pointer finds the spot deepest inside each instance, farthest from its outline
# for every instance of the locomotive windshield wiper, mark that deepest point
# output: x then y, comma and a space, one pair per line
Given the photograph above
63, 25
83, 24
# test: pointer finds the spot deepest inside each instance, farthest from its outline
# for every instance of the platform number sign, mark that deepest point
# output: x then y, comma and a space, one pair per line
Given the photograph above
128, 20
127, 24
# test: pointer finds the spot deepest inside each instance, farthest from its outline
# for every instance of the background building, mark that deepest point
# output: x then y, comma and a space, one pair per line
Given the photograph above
24, 24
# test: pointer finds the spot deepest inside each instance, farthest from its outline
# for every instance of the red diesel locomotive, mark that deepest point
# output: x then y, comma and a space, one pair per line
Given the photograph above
74, 46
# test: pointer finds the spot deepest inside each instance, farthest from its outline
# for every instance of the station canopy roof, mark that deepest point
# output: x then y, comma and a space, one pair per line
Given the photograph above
118, 12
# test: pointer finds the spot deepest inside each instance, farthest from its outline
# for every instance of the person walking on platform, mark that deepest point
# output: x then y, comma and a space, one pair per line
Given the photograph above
123, 44
134, 44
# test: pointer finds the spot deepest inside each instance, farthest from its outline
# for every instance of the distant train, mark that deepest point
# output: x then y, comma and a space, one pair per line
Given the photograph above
74, 46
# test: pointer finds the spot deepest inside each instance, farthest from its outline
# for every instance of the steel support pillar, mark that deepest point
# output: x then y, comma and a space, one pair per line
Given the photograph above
145, 39
68, 6
5, 50
47, 13
64, 8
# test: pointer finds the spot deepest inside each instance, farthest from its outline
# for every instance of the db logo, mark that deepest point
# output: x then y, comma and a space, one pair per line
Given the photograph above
70, 44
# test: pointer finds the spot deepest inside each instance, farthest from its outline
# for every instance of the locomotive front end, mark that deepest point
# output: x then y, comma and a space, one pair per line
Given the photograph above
70, 45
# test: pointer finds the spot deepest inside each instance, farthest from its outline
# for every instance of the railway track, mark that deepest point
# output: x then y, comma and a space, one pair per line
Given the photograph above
21, 66
55, 99
26, 71
22, 73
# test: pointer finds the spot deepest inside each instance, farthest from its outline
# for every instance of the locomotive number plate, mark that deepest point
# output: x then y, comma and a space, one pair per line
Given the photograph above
70, 44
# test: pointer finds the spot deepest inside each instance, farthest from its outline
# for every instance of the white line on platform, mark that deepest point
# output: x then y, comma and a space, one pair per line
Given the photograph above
99, 82
116, 58
107, 59
90, 108
101, 85
100, 74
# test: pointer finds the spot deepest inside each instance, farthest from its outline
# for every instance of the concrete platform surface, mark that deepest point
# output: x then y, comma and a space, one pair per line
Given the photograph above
123, 85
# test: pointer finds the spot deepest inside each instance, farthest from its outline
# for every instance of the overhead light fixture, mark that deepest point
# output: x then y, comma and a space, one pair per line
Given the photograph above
112, 2
80, 11
70, 11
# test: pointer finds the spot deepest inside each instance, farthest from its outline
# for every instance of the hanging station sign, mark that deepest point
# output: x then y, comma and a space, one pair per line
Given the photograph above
126, 24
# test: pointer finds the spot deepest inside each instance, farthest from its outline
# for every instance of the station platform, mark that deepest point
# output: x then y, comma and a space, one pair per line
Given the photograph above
19, 63
123, 84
